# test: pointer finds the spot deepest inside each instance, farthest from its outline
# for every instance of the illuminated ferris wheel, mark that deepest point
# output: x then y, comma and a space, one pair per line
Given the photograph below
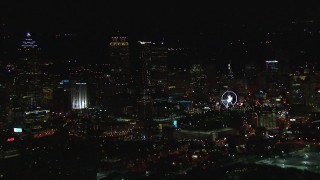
229, 98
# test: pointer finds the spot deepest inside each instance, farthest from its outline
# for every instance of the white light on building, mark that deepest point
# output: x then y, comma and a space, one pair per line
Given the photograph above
79, 96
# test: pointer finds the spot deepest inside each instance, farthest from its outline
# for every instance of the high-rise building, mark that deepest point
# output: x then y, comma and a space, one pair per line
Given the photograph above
145, 60
119, 55
198, 78
79, 96
272, 66
230, 72
29, 49
61, 97
153, 61
28, 73
305, 89
61, 100
179, 81
272, 75
158, 65
250, 74
119, 64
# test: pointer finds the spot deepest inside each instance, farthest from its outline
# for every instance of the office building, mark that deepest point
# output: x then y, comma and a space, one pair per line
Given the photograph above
119, 59
79, 96
28, 74
158, 64
144, 61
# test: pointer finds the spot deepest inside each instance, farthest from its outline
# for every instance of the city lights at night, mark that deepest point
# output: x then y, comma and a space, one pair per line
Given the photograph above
159, 90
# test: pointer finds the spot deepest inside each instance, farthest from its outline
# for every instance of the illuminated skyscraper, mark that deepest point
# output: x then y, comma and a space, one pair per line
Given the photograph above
159, 64
79, 96
30, 49
28, 79
119, 60
305, 89
273, 84
119, 55
272, 66
145, 60
153, 61
230, 72
198, 78
250, 75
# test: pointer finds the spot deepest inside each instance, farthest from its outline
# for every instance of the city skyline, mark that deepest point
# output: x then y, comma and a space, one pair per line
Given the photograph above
89, 26
159, 90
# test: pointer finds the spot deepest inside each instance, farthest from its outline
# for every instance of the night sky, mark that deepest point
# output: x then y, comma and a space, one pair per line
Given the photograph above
202, 24
147, 16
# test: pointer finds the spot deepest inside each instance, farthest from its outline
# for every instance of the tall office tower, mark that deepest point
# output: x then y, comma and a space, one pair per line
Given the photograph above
305, 89
230, 72
272, 66
119, 64
28, 73
158, 64
250, 75
29, 49
198, 78
61, 97
144, 62
79, 96
119, 56
273, 84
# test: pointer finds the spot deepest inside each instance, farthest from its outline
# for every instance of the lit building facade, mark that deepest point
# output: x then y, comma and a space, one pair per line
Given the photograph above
272, 66
267, 120
305, 90
198, 78
28, 83
29, 53
79, 96
119, 59
272, 78
153, 62
159, 64
119, 55
145, 60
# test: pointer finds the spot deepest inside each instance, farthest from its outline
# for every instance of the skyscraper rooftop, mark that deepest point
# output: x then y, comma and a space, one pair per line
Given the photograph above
28, 42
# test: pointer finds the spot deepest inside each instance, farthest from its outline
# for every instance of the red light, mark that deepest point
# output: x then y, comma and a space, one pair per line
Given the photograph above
10, 139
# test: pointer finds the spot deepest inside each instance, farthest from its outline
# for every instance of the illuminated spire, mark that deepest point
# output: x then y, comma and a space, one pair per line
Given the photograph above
28, 43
